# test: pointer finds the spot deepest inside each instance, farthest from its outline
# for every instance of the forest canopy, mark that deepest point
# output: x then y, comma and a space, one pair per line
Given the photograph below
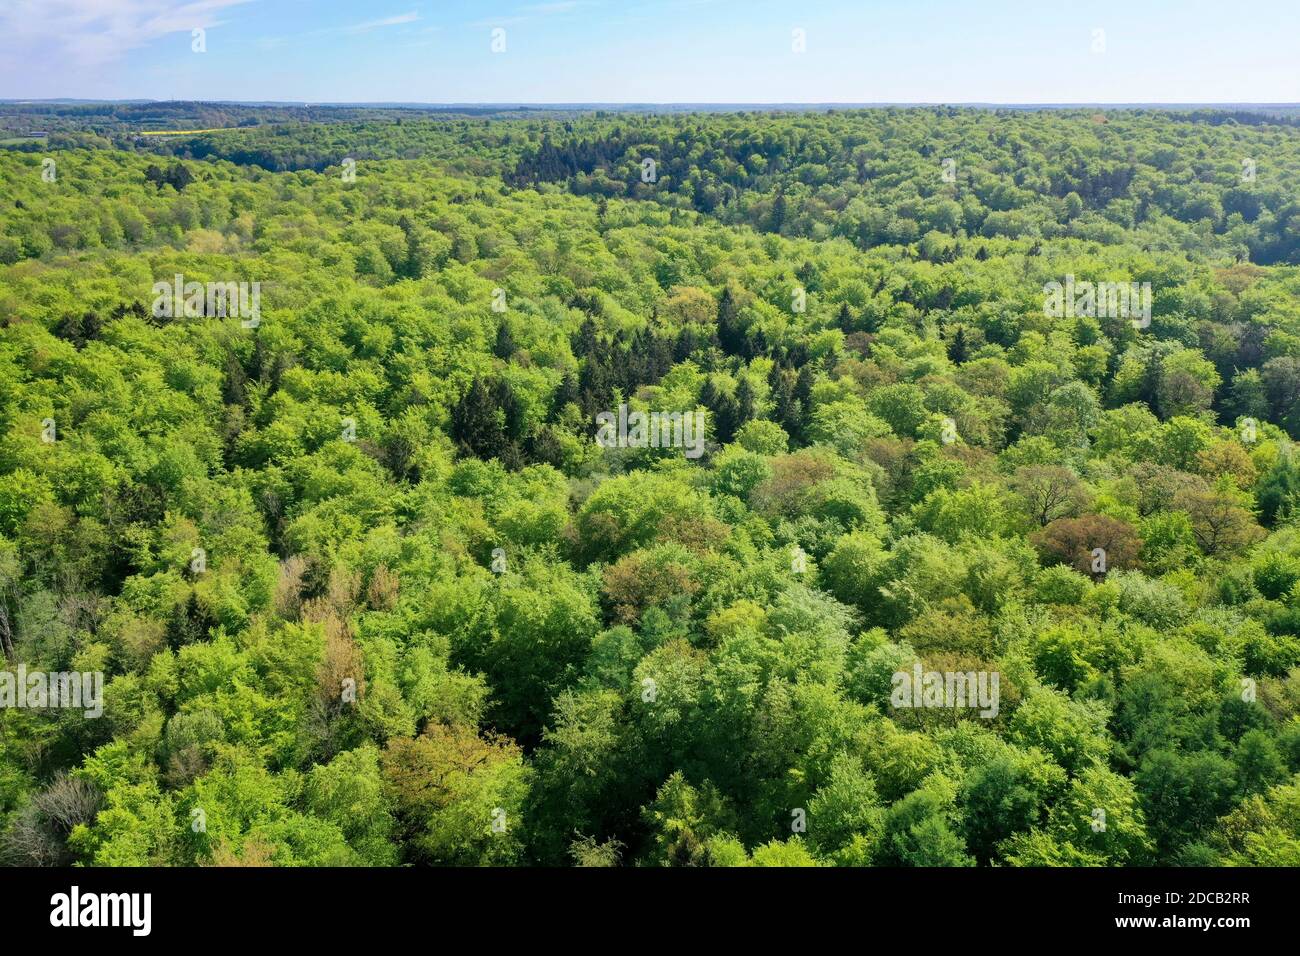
368, 586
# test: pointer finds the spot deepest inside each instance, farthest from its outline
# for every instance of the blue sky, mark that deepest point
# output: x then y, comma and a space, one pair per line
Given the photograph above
654, 51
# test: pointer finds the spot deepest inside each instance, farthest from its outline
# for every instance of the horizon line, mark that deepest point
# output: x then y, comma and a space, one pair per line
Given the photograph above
416, 104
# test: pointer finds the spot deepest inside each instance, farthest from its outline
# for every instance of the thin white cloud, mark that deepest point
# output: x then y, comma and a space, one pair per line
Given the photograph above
564, 6
499, 22
385, 22
533, 11
81, 35
354, 29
